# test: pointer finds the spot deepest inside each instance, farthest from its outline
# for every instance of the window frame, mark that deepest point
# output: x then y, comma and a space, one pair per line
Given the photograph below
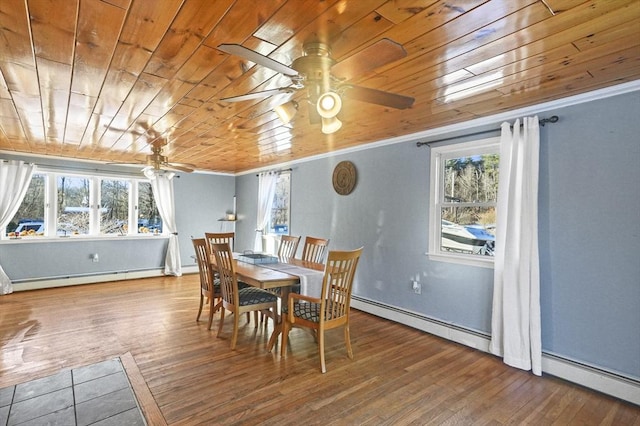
51, 214
439, 155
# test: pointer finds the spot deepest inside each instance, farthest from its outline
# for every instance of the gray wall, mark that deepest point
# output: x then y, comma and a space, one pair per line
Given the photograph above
589, 233
201, 200
26, 260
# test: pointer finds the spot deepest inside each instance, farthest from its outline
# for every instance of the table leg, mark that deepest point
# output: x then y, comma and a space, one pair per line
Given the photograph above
277, 328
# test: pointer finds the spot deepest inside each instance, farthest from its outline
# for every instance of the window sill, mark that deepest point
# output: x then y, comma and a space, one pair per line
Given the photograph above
471, 260
37, 239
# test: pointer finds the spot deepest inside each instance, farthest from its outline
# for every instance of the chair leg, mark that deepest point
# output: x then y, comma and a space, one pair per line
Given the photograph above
255, 318
285, 336
200, 309
347, 341
274, 336
212, 310
323, 367
236, 325
221, 321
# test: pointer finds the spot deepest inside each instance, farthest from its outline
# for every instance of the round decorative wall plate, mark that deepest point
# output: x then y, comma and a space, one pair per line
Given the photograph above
344, 177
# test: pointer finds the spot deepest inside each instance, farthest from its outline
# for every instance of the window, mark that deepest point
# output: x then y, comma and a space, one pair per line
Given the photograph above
72, 204
114, 206
148, 216
29, 219
464, 190
279, 218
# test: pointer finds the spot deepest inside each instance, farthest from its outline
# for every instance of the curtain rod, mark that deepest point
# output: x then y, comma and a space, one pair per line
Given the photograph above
542, 122
278, 171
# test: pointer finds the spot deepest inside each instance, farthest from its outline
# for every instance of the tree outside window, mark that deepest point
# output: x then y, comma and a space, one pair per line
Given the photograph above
114, 206
73, 205
149, 219
30, 216
279, 219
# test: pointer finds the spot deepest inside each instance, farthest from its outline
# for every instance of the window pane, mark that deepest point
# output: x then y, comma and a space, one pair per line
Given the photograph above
469, 230
148, 216
73, 205
114, 202
279, 222
471, 179
29, 219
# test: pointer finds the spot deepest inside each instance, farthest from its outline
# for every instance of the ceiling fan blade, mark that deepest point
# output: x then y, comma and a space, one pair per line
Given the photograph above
378, 97
128, 164
259, 95
177, 167
253, 56
378, 54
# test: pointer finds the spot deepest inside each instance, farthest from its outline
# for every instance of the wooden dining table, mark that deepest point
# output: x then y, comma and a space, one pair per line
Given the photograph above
266, 277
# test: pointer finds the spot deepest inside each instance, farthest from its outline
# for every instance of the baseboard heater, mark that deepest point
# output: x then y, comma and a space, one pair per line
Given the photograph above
610, 383
85, 278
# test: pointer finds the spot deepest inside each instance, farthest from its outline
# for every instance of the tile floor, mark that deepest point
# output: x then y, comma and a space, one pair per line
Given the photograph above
98, 394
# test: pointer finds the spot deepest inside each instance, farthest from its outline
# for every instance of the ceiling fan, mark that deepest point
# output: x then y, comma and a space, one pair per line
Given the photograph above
156, 162
326, 80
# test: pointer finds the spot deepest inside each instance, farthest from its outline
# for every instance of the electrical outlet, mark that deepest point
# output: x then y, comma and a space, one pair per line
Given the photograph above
417, 288
94, 257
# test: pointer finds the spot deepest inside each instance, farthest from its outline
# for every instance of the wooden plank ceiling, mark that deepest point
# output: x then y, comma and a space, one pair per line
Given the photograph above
101, 79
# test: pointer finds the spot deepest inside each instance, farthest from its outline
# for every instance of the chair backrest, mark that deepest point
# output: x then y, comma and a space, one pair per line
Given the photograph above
227, 272
203, 255
314, 249
220, 238
288, 246
338, 282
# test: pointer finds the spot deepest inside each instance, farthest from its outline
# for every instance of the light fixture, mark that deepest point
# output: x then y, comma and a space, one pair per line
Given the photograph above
328, 106
286, 111
331, 125
149, 172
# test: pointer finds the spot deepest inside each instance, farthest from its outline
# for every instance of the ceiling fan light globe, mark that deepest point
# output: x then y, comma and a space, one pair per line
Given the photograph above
286, 111
330, 125
329, 105
149, 173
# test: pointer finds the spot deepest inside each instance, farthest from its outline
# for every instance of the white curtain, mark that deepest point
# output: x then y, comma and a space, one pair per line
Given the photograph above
515, 323
266, 193
15, 177
162, 185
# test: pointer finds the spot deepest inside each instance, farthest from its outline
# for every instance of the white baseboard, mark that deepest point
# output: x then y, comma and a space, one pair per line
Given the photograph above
612, 384
93, 279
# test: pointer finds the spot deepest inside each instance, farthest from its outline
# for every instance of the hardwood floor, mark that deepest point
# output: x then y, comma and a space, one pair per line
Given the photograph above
399, 375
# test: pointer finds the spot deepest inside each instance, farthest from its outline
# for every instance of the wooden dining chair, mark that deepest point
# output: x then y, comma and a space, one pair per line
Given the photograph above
239, 301
314, 249
288, 246
225, 238
331, 309
220, 238
209, 285
287, 250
